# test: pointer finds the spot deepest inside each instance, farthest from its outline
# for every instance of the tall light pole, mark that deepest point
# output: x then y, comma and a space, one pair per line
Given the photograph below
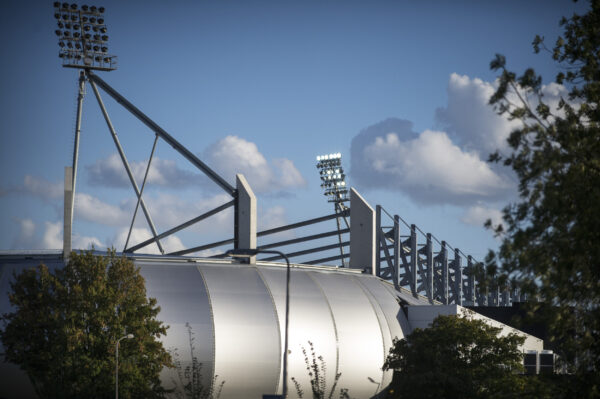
334, 186
83, 41
246, 253
128, 336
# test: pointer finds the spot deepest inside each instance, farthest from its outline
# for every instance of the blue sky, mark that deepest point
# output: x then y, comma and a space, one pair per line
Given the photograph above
262, 87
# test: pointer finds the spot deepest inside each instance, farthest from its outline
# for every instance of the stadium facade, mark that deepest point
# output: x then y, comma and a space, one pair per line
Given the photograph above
236, 312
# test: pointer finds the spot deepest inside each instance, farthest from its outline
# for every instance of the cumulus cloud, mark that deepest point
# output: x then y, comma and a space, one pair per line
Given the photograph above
272, 217
166, 210
92, 209
86, 242
29, 238
43, 188
36, 187
207, 253
171, 210
474, 124
228, 156
233, 154
25, 237
469, 118
450, 165
360, 171
171, 243
52, 237
477, 215
110, 172
427, 167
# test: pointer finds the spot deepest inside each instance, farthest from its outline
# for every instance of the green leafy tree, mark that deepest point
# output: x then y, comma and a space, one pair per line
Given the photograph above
66, 322
457, 357
551, 235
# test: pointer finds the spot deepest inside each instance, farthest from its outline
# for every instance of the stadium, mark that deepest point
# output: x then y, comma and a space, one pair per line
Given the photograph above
377, 281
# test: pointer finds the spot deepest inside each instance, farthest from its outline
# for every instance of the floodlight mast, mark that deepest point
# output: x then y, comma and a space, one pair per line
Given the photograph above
334, 185
83, 44
82, 37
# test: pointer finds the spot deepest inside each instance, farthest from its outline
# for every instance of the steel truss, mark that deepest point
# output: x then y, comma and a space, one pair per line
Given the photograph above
405, 255
421, 263
96, 82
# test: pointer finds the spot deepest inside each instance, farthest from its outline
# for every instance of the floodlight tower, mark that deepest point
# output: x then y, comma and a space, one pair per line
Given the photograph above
83, 41
83, 45
334, 185
82, 37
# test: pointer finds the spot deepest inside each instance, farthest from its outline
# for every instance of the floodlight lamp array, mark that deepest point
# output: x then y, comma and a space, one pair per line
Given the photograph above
82, 37
332, 177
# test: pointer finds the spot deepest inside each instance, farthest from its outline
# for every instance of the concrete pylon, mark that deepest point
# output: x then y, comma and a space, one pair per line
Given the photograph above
246, 216
68, 213
362, 233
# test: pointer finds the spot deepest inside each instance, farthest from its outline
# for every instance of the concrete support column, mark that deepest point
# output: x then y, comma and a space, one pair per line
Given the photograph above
246, 216
362, 233
68, 213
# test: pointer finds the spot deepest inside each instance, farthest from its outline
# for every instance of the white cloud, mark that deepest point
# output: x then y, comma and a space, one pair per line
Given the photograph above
170, 210
286, 173
207, 253
447, 166
477, 215
473, 122
27, 227
428, 167
85, 242
228, 156
53, 236
110, 172
43, 188
271, 218
25, 238
470, 119
166, 210
92, 209
233, 155
171, 243
36, 187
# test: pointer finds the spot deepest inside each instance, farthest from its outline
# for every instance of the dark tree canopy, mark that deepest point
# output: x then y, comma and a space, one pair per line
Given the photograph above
66, 322
551, 239
457, 358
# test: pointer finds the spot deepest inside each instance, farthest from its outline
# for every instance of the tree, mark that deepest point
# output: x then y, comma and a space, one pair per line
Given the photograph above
457, 357
317, 371
550, 245
66, 322
189, 381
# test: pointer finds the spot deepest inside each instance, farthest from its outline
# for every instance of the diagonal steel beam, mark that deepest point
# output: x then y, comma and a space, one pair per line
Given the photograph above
125, 163
182, 226
137, 205
163, 134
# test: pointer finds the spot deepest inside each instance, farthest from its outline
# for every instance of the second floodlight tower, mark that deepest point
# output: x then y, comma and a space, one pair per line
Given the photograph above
334, 186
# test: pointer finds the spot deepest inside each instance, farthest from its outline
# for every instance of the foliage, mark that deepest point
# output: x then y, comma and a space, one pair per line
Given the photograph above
317, 371
66, 322
457, 357
550, 245
190, 377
